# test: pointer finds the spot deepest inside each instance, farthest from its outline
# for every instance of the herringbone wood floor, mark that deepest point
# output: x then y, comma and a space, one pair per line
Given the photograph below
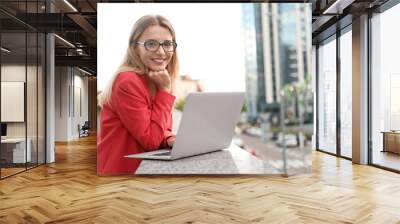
70, 192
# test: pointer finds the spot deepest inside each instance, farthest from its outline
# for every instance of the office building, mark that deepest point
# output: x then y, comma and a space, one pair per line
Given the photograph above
277, 38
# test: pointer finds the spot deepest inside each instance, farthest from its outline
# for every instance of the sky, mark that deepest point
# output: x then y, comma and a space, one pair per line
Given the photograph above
209, 37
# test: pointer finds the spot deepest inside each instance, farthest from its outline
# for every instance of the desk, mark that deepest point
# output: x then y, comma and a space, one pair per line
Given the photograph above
232, 160
13, 150
391, 141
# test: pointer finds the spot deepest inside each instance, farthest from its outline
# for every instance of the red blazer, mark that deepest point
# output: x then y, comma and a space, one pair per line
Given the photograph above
133, 122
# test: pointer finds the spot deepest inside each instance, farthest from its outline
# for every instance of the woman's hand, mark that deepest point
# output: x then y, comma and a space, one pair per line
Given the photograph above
161, 79
171, 141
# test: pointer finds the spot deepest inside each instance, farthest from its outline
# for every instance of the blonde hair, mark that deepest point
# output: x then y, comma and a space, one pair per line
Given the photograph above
132, 60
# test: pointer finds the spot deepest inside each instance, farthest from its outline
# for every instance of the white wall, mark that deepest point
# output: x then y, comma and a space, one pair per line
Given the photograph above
61, 82
14, 73
33, 127
70, 83
80, 83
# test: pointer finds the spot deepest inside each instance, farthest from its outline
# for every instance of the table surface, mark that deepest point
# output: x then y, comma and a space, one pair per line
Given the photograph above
391, 132
13, 140
232, 160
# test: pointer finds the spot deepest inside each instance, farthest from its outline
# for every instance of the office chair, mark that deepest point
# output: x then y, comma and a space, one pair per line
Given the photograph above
84, 130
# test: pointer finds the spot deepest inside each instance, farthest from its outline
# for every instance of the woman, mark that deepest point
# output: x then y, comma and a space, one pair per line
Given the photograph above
137, 104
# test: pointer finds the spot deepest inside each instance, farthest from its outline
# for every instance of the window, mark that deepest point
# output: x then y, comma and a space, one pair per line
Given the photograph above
22, 73
385, 89
327, 96
346, 93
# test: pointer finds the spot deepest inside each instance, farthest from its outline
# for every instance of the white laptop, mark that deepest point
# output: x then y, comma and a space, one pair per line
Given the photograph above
207, 125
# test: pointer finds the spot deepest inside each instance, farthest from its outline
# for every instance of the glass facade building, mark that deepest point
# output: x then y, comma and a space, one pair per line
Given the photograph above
278, 43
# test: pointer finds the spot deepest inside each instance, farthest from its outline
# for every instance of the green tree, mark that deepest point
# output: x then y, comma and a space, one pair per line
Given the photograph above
180, 105
244, 107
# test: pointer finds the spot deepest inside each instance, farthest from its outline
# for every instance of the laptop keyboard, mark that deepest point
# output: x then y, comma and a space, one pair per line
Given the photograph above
163, 154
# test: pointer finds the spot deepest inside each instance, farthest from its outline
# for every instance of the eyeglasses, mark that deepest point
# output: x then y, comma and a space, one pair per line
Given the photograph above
153, 45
